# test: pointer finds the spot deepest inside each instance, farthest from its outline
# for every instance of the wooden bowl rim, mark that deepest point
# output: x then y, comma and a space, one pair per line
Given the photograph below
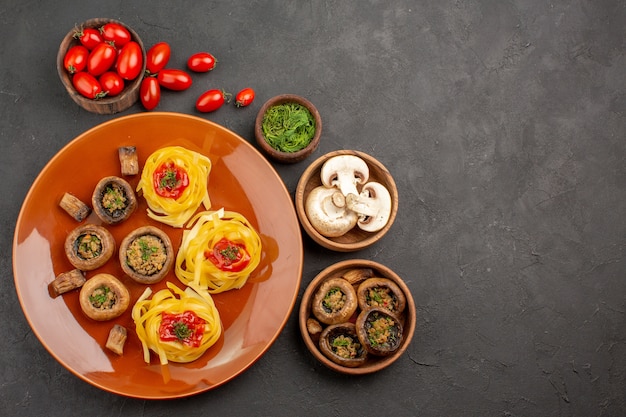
382, 271
330, 243
106, 105
287, 157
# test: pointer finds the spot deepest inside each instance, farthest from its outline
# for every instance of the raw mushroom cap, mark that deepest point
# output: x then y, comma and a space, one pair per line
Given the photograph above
325, 209
373, 205
344, 172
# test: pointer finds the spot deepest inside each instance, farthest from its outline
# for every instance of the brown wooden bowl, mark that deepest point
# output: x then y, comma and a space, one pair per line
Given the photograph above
106, 105
372, 363
280, 156
355, 239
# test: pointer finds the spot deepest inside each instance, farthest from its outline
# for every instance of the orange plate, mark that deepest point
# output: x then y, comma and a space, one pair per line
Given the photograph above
240, 180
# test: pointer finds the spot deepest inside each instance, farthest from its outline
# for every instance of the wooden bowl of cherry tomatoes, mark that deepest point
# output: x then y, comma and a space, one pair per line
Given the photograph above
101, 63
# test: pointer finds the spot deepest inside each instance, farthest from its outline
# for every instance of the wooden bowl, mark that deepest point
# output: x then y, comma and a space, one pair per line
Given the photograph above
373, 363
106, 105
280, 156
355, 239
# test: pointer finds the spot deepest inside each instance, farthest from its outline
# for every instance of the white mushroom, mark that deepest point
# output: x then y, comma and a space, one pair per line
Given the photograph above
344, 172
373, 206
326, 210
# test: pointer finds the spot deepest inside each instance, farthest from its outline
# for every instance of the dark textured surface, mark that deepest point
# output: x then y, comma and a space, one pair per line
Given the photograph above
503, 124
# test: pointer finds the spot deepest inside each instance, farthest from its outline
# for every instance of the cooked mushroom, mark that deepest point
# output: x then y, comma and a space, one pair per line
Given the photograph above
373, 205
89, 247
67, 281
344, 172
129, 164
334, 302
74, 207
379, 330
117, 339
113, 200
381, 292
340, 344
326, 210
104, 297
146, 254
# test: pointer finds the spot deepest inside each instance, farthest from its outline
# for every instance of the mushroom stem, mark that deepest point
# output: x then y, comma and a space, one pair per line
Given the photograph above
373, 206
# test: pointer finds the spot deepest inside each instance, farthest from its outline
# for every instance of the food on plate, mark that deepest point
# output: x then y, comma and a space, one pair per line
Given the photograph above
174, 183
113, 200
179, 326
340, 344
104, 297
146, 254
129, 163
288, 127
89, 246
334, 302
345, 199
67, 281
74, 207
381, 292
116, 339
219, 252
379, 330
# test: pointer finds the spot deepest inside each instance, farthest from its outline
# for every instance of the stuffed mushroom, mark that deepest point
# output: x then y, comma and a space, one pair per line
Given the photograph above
335, 301
89, 247
381, 292
379, 330
340, 344
113, 200
104, 297
146, 254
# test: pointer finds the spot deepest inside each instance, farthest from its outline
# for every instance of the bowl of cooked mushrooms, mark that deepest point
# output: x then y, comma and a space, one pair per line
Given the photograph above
357, 317
346, 200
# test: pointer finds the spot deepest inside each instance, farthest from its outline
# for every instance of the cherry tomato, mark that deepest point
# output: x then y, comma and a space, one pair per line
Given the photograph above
101, 59
157, 57
89, 37
75, 59
228, 255
129, 61
201, 62
244, 97
87, 85
116, 33
170, 180
150, 93
211, 100
112, 83
174, 79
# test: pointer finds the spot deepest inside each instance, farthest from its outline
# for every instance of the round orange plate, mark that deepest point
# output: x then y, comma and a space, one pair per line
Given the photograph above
240, 180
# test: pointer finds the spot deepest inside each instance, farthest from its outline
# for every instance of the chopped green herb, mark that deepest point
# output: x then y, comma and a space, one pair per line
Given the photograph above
181, 330
288, 127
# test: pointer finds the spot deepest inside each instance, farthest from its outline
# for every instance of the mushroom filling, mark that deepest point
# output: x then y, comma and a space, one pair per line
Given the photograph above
114, 199
146, 255
103, 298
334, 300
346, 347
382, 297
88, 246
381, 331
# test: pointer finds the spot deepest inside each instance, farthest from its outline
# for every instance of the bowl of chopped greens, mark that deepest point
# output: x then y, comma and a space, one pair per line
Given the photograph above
288, 128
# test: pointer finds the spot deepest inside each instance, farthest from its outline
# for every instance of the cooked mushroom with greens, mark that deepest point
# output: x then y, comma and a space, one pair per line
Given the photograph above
113, 200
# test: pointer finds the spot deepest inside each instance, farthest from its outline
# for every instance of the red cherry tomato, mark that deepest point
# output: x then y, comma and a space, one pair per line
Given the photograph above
112, 83
157, 57
129, 61
211, 100
101, 59
89, 37
87, 85
116, 33
201, 62
150, 93
75, 59
174, 79
244, 97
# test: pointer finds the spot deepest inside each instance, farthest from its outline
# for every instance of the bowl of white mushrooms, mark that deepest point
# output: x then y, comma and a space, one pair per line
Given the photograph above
346, 200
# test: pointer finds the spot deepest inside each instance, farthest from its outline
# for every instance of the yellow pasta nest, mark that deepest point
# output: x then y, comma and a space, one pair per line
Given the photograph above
148, 315
175, 206
223, 234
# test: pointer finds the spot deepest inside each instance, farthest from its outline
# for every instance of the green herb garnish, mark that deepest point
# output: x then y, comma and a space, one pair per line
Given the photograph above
288, 127
181, 330
146, 249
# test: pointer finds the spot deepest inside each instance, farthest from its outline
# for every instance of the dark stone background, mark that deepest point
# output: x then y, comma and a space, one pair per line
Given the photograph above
503, 124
